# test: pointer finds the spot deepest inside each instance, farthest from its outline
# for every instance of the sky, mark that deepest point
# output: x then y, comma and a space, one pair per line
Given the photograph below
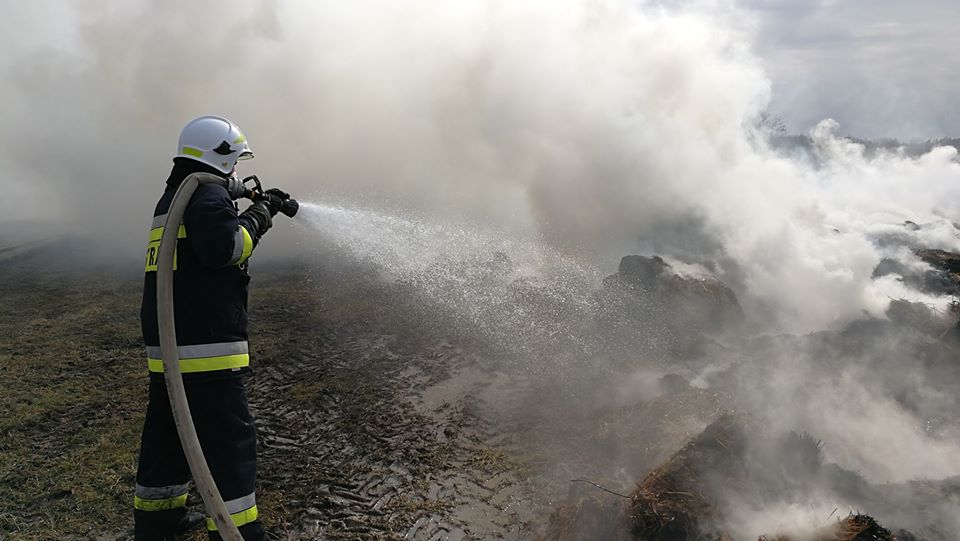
881, 68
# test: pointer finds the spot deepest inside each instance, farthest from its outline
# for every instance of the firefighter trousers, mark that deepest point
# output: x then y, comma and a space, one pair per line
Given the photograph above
227, 436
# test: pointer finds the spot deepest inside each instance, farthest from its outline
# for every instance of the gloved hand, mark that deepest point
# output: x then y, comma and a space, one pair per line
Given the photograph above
257, 219
278, 192
274, 199
280, 201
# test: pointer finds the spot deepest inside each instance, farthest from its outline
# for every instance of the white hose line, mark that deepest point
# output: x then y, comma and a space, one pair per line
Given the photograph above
212, 500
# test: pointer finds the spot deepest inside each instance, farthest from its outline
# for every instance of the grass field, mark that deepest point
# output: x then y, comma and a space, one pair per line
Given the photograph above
343, 452
73, 398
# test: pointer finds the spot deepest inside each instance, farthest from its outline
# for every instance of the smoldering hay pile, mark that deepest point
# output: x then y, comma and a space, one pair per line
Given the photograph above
743, 471
688, 497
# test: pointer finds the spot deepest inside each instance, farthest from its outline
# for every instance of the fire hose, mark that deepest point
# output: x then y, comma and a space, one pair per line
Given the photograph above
212, 501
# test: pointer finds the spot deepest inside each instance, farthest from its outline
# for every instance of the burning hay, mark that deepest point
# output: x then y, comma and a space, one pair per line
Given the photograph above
688, 498
673, 501
852, 528
648, 302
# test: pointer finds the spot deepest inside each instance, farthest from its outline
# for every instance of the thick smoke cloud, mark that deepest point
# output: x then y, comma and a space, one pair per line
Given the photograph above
608, 126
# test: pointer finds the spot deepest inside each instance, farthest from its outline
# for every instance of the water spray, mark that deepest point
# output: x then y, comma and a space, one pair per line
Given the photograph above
206, 486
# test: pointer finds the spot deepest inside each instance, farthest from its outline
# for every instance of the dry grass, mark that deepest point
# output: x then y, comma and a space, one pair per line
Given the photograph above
73, 382
74, 393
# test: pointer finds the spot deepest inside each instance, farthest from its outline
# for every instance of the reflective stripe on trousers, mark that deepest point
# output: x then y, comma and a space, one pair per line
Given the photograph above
242, 511
204, 357
160, 498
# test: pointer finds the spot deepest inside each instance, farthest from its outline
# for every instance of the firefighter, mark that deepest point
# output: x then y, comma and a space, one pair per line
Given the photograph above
210, 309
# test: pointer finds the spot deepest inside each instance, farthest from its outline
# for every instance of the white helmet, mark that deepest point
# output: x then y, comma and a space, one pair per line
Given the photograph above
215, 141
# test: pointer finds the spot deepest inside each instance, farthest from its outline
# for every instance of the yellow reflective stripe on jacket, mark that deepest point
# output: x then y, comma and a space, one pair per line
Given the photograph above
144, 504
153, 244
157, 232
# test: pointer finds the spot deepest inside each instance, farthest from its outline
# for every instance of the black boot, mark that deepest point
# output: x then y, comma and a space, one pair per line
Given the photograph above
190, 521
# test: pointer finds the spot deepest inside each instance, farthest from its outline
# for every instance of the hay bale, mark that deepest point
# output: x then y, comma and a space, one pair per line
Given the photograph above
682, 500
672, 503
647, 305
851, 528
669, 504
941, 259
919, 317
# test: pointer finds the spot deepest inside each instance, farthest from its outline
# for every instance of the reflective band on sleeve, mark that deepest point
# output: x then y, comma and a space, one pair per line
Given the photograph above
242, 246
143, 504
242, 511
203, 357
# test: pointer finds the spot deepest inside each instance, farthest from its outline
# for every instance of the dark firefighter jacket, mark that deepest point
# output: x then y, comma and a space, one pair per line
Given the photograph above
209, 280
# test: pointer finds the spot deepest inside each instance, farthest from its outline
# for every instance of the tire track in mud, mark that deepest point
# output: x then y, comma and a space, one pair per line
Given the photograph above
350, 448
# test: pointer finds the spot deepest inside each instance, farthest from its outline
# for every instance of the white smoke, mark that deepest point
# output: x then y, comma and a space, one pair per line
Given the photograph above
609, 126
598, 121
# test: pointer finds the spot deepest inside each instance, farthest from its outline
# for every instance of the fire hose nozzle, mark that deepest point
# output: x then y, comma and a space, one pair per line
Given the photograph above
290, 207
287, 205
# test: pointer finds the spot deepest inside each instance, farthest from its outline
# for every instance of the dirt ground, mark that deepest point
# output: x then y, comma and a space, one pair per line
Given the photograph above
367, 429
382, 416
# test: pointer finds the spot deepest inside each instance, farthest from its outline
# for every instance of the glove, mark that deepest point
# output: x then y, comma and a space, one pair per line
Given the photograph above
258, 217
280, 201
278, 192
274, 199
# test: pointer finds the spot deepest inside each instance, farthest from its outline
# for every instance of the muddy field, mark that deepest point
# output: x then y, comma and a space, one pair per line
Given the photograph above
380, 416
355, 443
370, 425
